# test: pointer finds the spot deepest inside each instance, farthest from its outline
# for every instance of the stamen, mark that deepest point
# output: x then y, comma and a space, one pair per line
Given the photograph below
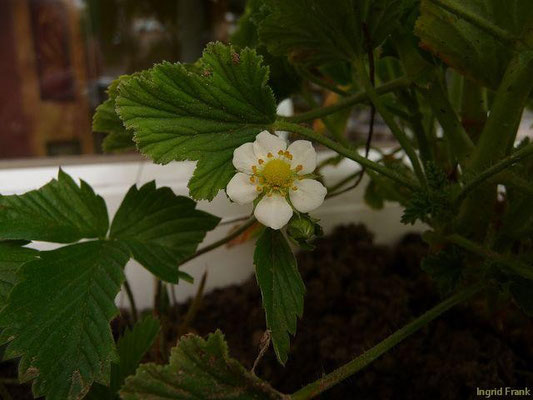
254, 169
270, 155
260, 161
299, 167
294, 188
252, 179
259, 188
288, 155
280, 153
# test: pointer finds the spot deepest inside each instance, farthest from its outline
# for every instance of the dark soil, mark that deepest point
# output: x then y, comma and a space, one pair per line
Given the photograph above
357, 294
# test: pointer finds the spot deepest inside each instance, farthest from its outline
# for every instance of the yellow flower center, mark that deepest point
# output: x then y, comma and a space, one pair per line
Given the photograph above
277, 173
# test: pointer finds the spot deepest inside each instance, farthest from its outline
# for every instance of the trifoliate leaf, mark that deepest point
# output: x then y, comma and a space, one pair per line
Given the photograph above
199, 113
131, 347
160, 229
318, 32
522, 292
468, 48
57, 318
198, 369
12, 257
106, 120
60, 211
281, 286
445, 268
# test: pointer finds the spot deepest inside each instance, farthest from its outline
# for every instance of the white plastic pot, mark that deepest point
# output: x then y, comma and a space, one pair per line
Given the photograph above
225, 266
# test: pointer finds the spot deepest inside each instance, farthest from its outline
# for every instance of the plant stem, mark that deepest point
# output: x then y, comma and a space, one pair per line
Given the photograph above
473, 110
459, 10
357, 364
513, 264
525, 152
222, 241
506, 112
349, 153
389, 120
496, 140
348, 101
438, 100
306, 74
131, 298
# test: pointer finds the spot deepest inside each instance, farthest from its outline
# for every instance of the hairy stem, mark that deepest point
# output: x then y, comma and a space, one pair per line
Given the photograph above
525, 152
306, 74
222, 241
473, 110
512, 264
506, 112
454, 132
389, 120
348, 101
349, 153
357, 364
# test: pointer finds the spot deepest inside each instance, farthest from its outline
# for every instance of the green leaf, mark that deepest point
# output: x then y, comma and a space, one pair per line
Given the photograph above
281, 286
160, 229
12, 257
60, 211
283, 78
202, 112
467, 47
373, 198
318, 32
57, 318
522, 292
106, 120
131, 348
198, 369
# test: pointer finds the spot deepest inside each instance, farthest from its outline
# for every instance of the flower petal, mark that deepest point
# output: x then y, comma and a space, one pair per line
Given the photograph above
267, 143
309, 194
244, 157
304, 154
241, 190
273, 211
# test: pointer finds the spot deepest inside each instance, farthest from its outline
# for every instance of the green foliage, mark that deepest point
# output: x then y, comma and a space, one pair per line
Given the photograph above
60, 211
57, 315
199, 113
466, 46
433, 203
317, 32
131, 347
281, 286
12, 257
445, 268
198, 369
107, 120
283, 78
160, 229
57, 318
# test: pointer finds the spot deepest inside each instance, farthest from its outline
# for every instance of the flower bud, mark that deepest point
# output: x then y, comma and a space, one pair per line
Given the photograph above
303, 230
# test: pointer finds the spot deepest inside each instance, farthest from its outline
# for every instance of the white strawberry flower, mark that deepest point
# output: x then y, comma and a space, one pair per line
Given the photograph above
279, 175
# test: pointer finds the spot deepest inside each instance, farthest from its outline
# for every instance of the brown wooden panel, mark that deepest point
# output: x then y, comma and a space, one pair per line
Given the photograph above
14, 126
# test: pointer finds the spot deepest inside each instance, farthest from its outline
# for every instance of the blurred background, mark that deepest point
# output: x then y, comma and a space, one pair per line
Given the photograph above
57, 57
